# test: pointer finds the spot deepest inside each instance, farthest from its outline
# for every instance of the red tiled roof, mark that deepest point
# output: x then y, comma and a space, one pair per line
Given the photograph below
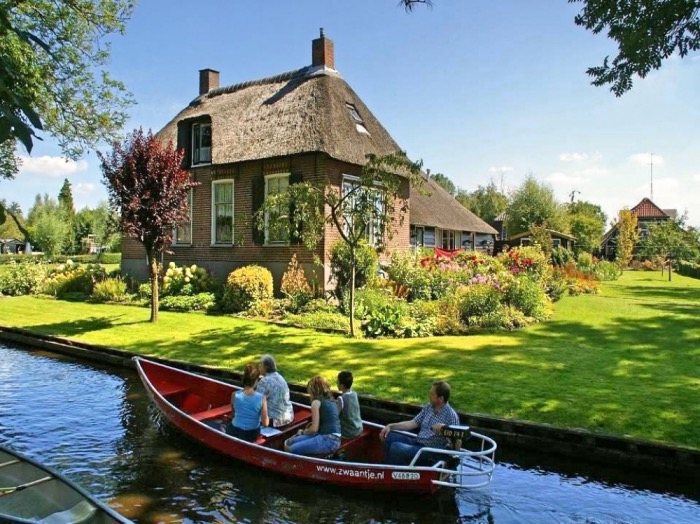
647, 209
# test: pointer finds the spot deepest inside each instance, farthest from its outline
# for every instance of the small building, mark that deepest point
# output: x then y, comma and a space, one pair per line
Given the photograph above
439, 220
647, 213
11, 246
559, 239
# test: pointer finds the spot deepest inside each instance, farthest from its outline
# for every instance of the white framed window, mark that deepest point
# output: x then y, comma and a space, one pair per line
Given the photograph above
429, 237
182, 233
525, 242
359, 123
556, 242
201, 144
450, 239
373, 224
274, 185
222, 212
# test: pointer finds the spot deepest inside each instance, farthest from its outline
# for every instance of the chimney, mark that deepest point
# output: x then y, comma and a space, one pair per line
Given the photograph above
322, 52
208, 80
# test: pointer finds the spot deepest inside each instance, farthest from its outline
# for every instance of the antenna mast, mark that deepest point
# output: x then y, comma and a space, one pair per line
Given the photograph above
651, 173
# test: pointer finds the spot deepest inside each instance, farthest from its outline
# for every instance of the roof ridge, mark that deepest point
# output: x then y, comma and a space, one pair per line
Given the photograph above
304, 72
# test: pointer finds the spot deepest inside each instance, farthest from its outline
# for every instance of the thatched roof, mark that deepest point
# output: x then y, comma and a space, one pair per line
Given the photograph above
296, 112
440, 209
552, 232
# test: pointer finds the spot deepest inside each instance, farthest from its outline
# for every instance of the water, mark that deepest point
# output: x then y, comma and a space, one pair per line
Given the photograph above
97, 426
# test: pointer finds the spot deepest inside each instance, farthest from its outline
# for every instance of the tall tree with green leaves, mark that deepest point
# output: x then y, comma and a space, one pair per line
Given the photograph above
486, 202
14, 220
671, 240
65, 203
587, 222
627, 237
149, 190
646, 33
533, 203
48, 225
53, 74
444, 182
356, 211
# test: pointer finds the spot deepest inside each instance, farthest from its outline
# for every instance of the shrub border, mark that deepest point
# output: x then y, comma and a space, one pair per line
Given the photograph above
581, 445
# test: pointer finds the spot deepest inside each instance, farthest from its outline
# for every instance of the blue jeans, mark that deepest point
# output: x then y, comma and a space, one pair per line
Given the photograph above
314, 444
399, 450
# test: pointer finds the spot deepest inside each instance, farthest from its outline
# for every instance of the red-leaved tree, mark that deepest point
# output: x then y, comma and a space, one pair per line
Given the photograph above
148, 188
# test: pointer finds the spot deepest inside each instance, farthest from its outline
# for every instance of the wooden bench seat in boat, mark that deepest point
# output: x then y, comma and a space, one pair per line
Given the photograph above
217, 412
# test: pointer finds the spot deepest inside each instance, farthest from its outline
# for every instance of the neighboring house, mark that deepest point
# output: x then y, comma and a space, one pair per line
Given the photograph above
248, 140
11, 246
647, 214
499, 224
559, 239
438, 220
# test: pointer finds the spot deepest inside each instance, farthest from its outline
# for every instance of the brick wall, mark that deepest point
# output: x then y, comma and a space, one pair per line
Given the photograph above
221, 260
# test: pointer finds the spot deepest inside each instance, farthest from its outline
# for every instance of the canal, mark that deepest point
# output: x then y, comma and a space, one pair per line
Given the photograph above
96, 425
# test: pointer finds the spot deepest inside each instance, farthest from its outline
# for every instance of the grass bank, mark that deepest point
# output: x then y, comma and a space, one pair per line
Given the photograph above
625, 362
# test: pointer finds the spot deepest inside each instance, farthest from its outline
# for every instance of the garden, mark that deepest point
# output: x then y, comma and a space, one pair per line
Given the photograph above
412, 294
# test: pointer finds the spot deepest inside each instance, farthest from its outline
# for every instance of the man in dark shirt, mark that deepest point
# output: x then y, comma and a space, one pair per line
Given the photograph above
400, 448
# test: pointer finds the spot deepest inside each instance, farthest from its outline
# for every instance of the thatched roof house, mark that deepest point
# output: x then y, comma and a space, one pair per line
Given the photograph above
439, 220
245, 141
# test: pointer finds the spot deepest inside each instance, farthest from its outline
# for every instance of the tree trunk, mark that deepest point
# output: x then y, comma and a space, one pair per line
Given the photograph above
670, 264
153, 265
353, 266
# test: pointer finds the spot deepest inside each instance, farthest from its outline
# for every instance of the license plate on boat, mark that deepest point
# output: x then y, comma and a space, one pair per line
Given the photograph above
405, 475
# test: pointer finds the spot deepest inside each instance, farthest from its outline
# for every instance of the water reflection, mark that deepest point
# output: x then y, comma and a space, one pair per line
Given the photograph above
98, 427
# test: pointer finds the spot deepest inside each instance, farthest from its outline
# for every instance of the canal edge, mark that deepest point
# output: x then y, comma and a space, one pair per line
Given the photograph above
578, 444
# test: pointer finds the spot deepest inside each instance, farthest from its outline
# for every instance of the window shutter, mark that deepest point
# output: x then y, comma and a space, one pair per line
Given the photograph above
258, 199
294, 178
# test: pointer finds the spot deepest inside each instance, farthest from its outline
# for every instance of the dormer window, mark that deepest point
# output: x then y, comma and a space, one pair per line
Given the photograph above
359, 123
201, 144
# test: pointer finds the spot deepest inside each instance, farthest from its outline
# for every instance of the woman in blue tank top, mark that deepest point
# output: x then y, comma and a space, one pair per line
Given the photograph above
249, 407
322, 435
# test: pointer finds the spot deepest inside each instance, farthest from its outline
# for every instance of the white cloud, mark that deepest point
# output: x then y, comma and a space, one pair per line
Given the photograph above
500, 169
50, 166
592, 172
696, 178
661, 185
578, 157
84, 189
644, 159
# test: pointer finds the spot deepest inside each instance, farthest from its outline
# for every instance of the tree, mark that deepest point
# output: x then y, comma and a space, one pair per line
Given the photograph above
148, 188
534, 203
9, 228
445, 183
670, 240
358, 210
587, 223
487, 202
627, 237
645, 31
48, 225
65, 203
53, 55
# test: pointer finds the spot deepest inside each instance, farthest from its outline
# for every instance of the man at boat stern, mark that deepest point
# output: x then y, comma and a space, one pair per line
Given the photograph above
399, 448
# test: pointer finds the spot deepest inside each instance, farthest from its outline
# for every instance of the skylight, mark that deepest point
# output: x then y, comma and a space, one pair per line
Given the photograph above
359, 123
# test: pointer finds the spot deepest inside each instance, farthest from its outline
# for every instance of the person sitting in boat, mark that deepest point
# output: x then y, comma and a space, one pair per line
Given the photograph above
276, 392
399, 448
322, 435
348, 406
249, 407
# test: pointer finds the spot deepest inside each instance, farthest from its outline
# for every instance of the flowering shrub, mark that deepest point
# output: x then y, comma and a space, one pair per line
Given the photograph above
246, 285
295, 286
528, 296
72, 277
21, 279
478, 301
529, 260
185, 280
198, 302
110, 290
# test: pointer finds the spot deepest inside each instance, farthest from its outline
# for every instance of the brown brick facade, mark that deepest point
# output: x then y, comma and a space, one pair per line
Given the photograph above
220, 260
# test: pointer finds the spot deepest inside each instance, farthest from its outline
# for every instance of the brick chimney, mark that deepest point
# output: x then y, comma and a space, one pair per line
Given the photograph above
322, 52
208, 80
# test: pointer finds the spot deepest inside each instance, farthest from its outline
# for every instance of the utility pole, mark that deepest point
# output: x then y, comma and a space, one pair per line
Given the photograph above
651, 173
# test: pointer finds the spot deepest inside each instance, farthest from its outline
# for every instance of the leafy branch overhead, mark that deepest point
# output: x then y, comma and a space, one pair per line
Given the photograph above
646, 32
53, 76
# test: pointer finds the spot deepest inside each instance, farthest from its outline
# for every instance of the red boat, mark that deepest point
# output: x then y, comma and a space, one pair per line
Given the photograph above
192, 402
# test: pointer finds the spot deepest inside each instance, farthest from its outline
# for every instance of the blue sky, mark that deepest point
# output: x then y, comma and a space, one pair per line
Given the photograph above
478, 90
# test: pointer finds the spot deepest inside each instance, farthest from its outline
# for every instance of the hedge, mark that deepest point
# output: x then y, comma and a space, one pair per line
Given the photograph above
688, 269
103, 258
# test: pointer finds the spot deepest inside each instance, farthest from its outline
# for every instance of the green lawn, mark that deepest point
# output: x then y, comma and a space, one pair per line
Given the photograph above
625, 362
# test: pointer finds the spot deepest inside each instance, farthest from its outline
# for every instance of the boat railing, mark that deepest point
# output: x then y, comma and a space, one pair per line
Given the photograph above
471, 469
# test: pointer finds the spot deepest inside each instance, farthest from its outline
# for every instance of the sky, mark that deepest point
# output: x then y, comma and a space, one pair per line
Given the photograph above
479, 91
